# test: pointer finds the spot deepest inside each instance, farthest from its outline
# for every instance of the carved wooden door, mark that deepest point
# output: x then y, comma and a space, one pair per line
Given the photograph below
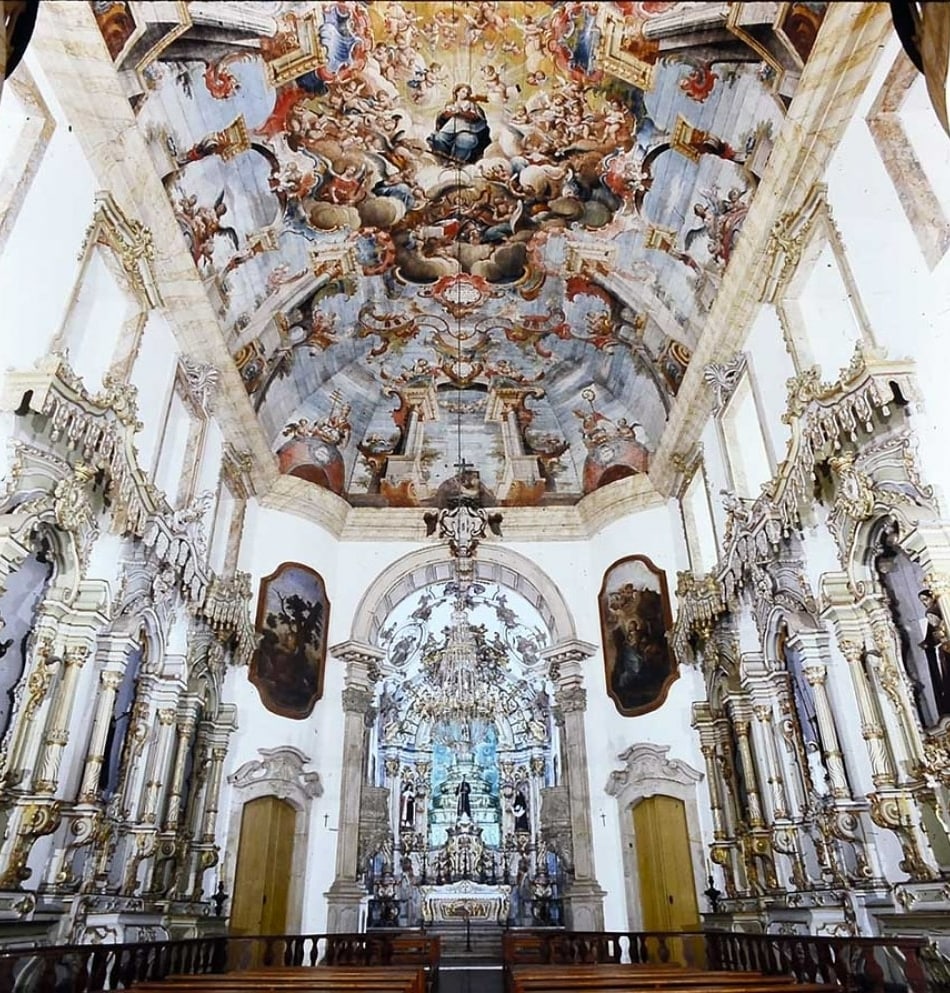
665, 867
264, 865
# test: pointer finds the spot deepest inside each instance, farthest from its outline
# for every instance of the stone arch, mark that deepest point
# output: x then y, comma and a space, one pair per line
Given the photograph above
494, 564
278, 772
648, 772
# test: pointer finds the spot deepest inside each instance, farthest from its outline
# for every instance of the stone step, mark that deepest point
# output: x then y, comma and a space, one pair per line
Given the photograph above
482, 940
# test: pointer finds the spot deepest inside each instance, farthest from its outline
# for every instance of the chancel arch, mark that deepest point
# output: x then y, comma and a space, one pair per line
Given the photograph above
470, 688
495, 563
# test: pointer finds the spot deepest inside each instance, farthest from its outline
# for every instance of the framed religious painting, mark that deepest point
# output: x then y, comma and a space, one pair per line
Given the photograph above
635, 619
293, 615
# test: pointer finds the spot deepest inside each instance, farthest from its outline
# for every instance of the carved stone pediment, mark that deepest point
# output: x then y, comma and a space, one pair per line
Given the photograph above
92, 451
827, 420
643, 762
282, 770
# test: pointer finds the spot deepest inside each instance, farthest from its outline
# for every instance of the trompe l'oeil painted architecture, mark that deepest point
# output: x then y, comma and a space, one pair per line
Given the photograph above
479, 455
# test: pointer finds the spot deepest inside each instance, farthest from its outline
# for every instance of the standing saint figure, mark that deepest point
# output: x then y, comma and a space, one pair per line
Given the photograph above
407, 806
463, 805
520, 810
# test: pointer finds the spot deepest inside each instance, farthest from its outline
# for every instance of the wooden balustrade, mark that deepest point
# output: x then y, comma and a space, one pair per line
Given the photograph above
871, 965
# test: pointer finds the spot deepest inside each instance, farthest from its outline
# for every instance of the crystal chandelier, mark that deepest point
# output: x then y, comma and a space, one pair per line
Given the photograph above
463, 695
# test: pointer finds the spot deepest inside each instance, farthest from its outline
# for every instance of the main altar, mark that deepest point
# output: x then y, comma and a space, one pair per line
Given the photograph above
466, 901
465, 751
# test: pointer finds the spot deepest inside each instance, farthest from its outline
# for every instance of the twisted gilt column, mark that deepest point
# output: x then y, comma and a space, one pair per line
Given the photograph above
57, 725
109, 682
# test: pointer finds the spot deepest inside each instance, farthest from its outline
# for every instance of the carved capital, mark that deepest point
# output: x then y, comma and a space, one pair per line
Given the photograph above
76, 656
357, 700
853, 651
167, 716
571, 699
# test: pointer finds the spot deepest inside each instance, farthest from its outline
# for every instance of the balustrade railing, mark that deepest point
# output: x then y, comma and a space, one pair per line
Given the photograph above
863, 965
868, 965
98, 968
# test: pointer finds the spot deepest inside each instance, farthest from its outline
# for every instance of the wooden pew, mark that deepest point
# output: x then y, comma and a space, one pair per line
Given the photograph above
419, 950
613, 978
320, 979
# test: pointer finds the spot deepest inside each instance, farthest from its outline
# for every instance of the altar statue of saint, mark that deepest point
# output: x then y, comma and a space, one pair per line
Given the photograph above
409, 895
407, 806
463, 805
520, 810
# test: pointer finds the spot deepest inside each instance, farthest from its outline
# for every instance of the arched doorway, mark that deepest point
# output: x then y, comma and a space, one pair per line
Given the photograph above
264, 867
664, 865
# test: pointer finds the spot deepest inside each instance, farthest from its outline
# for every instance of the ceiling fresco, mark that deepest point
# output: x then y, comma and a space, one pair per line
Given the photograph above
460, 238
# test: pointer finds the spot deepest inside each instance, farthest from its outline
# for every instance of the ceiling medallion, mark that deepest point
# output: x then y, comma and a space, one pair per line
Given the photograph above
460, 294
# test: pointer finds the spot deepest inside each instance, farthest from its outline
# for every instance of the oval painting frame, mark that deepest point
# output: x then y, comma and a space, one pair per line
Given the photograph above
635, 621
293, 618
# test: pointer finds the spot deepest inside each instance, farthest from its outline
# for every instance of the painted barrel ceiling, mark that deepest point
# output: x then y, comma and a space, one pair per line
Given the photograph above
460, 234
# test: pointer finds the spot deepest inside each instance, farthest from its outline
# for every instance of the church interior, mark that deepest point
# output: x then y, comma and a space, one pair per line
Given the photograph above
473, 463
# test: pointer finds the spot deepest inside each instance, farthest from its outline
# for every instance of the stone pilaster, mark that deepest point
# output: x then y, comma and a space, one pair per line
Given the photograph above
585, 898
345, 893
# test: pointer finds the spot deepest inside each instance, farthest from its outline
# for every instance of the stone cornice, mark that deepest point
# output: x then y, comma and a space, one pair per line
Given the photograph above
552, 523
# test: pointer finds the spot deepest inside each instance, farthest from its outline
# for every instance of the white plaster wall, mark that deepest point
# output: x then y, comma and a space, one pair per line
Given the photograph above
39, 265
271, 538
575, 567
907, 303
608, 733
152, 375
771, 367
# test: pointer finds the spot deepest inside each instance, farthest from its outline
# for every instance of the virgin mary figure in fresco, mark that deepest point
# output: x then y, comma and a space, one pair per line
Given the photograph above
461, 129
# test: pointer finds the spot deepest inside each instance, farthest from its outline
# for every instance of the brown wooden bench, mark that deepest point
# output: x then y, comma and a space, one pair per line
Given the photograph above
419, 950
320, 979
630, 978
